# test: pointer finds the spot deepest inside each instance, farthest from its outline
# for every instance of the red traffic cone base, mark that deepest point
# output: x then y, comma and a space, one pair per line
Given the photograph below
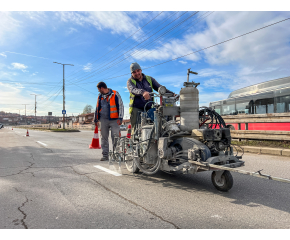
95, 142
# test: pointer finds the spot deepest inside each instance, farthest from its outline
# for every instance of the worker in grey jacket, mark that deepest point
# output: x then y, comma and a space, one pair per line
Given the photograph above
110, 112
139, 86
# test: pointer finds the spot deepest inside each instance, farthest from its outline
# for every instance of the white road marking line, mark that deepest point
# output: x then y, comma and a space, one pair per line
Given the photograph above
108, 170
42, 143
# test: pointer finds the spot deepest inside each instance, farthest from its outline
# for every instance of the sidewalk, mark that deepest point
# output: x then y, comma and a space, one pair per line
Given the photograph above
267, 150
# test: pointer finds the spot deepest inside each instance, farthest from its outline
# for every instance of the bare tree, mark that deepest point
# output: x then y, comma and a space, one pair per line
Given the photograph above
88, 109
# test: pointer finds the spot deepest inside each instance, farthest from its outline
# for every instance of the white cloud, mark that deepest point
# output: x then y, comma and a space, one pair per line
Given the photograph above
8, 27
3, 55
33, 74
259, 56
183, 62
174, 49
71, 30
88, 67
36, 16
7, 75
18, 66
116, 22
256, 48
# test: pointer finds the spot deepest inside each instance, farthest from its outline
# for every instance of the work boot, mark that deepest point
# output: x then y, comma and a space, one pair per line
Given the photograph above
104, 158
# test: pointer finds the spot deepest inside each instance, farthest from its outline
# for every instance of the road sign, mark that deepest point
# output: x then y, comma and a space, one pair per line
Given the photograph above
63, 111
49, 113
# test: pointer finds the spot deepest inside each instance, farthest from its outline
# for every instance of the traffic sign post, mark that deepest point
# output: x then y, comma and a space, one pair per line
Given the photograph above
63, 118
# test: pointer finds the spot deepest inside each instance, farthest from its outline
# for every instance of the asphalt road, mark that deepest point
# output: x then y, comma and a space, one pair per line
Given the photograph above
50, 181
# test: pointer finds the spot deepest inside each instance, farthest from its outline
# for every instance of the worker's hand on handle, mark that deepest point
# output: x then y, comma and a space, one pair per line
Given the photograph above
146, 95
119, 122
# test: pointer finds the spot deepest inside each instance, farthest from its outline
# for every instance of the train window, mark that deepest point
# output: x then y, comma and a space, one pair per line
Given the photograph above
282, 104
243, 105
264, 105
229, 107
216, 106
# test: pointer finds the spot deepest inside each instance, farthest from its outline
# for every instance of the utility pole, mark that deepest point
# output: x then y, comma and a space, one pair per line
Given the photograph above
35, 105
25, 112
63, 90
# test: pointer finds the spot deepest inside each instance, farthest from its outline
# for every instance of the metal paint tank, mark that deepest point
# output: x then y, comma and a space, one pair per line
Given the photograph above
189, 107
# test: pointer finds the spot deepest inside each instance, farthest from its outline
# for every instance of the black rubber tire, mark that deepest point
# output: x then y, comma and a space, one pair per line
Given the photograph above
231, 127
227, 181
131, 167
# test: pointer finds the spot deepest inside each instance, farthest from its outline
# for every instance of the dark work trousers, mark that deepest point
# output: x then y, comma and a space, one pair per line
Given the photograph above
106, 125
133, 119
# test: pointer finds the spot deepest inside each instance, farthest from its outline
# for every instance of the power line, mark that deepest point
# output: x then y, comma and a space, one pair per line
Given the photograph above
203, 48
126, 47
202, 17
119, 43
219, 43
112, 65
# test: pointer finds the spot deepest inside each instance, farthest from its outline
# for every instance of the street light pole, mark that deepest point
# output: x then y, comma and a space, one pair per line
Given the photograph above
63, 90
35, 105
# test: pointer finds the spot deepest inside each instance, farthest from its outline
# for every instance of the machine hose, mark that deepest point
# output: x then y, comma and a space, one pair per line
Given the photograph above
158, 163
215, 118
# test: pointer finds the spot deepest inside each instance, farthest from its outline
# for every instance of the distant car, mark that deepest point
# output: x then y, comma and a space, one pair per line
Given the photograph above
123, 128
1, 126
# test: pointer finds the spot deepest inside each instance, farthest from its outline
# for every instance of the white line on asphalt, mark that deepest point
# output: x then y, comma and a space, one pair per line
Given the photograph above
41, 143
108, 170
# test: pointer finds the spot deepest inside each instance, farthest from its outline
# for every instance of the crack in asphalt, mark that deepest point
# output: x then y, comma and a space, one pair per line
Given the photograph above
20, 210
24, 214
126, 199
21, 171
30, 167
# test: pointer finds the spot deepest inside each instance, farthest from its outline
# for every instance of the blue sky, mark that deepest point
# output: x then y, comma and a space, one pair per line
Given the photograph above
102, 44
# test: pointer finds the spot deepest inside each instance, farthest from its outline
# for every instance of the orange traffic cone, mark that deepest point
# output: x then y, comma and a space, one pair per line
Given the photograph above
27, 133
12, 128
129, 131
95, 142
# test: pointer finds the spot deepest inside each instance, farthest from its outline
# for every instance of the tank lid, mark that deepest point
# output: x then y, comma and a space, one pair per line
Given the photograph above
190, 84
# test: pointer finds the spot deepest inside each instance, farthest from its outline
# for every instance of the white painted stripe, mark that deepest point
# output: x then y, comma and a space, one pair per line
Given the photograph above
96, 136
108, 170
41, 143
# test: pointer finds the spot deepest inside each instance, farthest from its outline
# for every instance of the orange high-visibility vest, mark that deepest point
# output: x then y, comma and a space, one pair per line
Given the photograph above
113, 107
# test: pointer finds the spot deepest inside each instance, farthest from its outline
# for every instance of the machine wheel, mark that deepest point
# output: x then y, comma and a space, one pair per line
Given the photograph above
224, 183
131, 167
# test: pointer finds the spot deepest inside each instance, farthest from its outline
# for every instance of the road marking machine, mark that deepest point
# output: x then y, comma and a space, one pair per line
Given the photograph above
182, 138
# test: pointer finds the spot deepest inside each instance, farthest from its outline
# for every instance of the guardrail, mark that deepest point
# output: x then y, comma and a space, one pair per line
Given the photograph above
261, 135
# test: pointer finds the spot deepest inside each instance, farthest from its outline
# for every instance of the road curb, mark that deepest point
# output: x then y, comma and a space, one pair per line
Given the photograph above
267, 150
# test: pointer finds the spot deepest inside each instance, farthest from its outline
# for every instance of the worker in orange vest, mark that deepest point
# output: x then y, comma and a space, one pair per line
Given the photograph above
109, 112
